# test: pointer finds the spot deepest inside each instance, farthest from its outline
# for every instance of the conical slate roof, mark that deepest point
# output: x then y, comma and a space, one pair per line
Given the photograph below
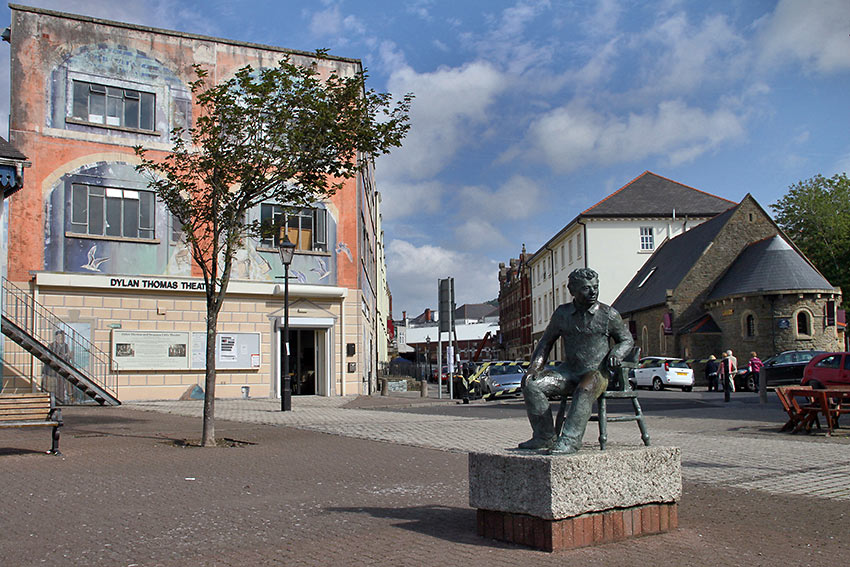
769, 265
651, 195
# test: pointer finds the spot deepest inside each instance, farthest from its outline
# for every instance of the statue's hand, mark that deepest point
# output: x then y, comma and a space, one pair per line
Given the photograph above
530, 375
614, 362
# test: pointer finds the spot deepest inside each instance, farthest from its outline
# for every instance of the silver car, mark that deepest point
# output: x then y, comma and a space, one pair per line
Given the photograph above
499, 377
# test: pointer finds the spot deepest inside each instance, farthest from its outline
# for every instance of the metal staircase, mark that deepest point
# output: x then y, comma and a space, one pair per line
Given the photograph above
78, 361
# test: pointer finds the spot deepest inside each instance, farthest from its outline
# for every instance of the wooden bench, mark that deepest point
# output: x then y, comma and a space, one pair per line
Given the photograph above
32, 410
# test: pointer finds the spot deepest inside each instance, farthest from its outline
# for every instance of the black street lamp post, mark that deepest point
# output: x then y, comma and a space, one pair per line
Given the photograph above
428, 355
286, 249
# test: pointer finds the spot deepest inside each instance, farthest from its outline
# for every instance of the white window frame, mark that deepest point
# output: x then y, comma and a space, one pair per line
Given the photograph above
647, 239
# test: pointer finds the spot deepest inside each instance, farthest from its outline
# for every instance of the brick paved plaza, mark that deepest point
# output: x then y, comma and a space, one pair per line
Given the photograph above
383, 481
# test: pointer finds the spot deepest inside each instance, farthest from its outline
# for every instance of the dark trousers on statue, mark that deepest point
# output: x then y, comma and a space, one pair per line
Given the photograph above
585, 390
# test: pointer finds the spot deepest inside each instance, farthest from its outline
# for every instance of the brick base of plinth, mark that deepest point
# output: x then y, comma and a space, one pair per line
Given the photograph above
579, 531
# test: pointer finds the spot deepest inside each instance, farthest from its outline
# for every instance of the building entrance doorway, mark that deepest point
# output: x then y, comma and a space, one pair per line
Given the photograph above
302, 361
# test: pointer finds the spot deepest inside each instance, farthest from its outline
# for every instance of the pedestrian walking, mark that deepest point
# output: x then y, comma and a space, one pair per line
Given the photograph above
729, 367
712, 368
754, 369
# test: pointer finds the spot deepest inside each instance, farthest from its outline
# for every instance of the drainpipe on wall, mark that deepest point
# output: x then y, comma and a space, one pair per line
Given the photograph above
583, 240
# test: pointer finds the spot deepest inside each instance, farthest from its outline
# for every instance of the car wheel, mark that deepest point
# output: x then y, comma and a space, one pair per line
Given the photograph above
687, 388
656, 384
633, 384
752, 383
816, 385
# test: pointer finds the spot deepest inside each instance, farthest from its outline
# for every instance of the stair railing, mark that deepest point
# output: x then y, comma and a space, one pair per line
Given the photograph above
41, 324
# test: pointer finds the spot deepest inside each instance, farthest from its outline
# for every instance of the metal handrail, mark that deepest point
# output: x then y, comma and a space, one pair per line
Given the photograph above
42, 325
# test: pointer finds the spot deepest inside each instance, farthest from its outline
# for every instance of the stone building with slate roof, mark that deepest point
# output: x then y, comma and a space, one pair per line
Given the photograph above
735, 282
615, 237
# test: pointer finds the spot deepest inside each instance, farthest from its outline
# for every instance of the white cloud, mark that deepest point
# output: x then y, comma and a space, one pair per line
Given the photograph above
682, 56
450, 109
332, 23
575, 135
413, 273
477, 233
518, 198
450, 104
814, 34
505, 41
603, 21
406, 199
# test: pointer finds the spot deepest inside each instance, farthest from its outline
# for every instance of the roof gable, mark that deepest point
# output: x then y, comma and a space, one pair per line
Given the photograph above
650, 195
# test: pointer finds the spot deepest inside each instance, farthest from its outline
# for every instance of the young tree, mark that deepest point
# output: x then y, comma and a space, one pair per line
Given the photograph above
280, 134
816, 214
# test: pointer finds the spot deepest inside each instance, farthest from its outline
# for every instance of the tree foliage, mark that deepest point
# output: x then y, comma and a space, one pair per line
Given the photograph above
282, 134
816, 215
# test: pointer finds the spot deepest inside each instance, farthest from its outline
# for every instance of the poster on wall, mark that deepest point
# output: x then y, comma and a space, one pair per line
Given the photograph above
235, 351
150, 350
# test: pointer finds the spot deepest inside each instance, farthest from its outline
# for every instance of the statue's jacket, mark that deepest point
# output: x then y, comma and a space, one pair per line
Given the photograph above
587, 335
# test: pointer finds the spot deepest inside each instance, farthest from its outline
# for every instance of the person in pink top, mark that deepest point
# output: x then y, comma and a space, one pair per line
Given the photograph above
755, 363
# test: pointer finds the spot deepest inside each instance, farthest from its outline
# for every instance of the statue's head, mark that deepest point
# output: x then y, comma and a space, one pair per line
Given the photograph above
584, 285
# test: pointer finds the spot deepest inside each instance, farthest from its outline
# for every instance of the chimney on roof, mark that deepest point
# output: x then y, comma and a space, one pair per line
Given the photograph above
427, 315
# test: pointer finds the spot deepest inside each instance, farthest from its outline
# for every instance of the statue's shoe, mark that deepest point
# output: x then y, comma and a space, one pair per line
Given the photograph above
535, 443
564, 447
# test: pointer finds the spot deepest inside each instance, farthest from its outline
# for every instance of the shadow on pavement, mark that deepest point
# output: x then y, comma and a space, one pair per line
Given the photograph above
455, 525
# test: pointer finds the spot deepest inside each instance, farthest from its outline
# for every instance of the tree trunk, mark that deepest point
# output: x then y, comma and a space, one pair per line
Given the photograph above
208, 436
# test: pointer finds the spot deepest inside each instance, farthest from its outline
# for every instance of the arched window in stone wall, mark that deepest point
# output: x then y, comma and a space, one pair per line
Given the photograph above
803, 323
662, 340
749, 325
644, 341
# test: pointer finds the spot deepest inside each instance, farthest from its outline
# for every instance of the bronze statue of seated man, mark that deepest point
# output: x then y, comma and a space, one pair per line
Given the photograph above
595, 340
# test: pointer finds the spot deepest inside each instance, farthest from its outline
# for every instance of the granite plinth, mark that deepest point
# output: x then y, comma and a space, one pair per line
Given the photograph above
560, 487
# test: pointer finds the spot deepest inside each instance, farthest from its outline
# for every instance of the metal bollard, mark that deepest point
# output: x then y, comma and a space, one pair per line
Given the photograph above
385, 387
423, 388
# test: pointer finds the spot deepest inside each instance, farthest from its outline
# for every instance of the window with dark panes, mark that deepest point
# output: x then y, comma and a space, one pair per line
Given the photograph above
113, 106
751, 326
306, 228
110, 211
833, 361
803, 326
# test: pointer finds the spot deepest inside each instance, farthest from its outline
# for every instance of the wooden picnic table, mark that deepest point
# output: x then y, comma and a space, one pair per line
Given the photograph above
805, 405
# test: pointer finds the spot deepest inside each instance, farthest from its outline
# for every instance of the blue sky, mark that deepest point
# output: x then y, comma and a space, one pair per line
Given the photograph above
527, 112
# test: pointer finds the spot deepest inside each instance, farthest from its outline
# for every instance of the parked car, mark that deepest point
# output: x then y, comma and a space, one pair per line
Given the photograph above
501, 377
659, 372
827, 370
787, 368
746, 380
444, 375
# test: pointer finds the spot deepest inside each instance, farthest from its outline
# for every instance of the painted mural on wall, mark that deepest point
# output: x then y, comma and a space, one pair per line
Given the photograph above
101, 218
108, 88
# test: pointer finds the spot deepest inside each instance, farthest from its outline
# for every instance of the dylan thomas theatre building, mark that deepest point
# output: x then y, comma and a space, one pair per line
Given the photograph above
92, 244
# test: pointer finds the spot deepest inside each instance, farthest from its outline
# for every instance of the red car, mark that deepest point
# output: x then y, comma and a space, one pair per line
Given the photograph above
827, 370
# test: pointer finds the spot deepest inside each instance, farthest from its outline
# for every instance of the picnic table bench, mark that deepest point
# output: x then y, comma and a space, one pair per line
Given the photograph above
805, 405
32, 410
